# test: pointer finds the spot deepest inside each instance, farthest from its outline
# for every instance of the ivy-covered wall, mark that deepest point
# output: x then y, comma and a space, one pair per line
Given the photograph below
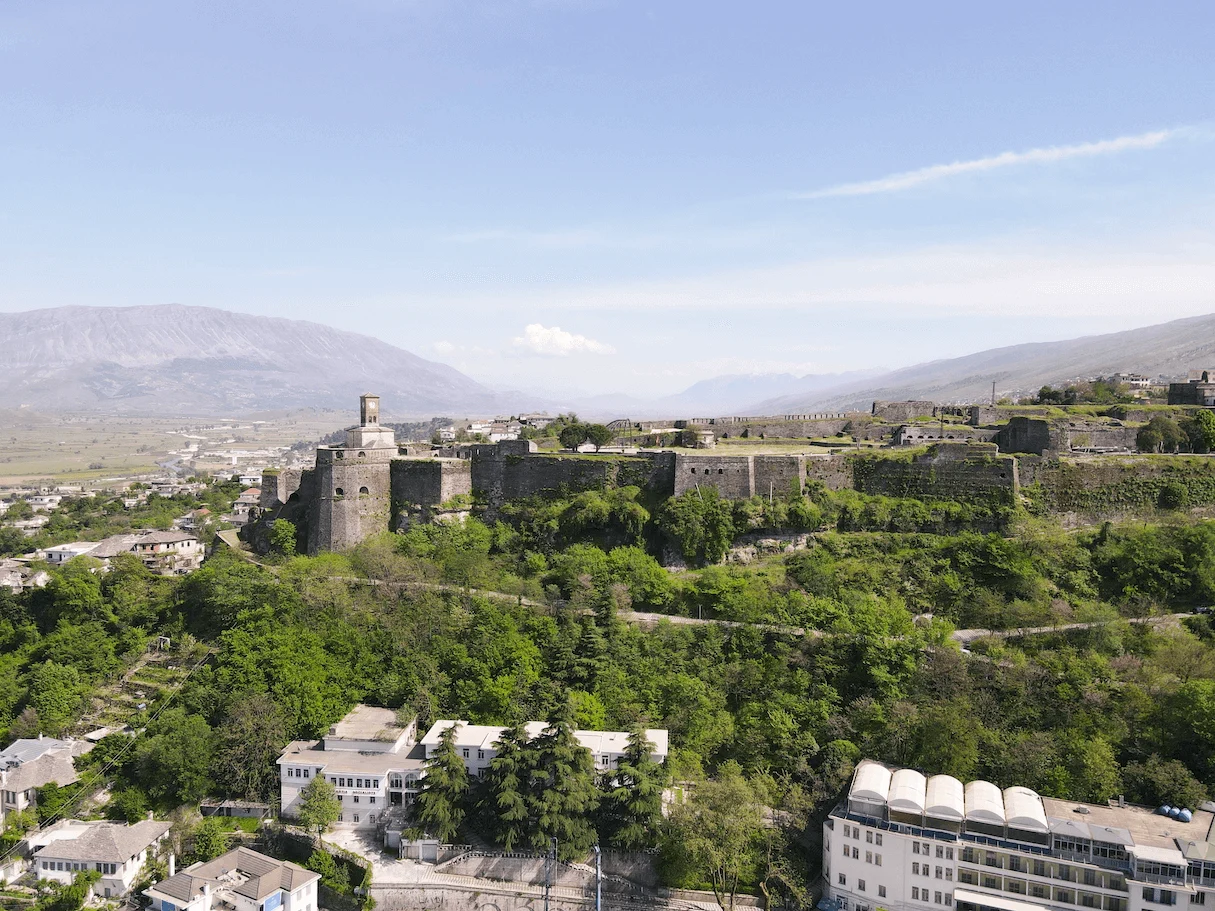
1120, 484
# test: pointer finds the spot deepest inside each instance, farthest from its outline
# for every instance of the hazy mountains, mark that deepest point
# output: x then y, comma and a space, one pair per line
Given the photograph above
175, 360
1171, 349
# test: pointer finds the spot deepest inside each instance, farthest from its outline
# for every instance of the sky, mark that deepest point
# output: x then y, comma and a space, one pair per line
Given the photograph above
592, 196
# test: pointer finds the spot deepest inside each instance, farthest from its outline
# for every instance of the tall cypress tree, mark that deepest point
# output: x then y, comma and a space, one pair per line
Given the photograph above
562, 795
632, 807
444, 790
504, 804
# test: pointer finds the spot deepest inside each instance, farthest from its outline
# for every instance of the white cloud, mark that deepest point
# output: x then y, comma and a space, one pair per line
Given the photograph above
556, 342
908, 179
444, 347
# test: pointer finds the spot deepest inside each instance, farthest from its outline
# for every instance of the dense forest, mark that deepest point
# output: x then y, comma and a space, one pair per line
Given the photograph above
839, 650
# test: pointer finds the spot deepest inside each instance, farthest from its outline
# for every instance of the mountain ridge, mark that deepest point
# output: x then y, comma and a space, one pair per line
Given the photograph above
172, 358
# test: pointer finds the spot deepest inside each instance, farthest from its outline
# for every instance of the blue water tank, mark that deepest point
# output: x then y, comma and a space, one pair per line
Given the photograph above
1175, 813
1164, 811
1186, 816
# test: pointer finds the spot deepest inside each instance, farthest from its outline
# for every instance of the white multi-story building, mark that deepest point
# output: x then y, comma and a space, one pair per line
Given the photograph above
115, 850
241, 880
368, 757
477, 743
169, 553
904, 842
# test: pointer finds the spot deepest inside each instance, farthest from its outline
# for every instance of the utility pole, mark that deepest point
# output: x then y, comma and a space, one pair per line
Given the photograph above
993, 392
598, 879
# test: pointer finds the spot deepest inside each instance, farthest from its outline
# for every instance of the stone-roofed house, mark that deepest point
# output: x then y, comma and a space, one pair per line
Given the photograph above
243, 880
168, 553
115, 850
31, 763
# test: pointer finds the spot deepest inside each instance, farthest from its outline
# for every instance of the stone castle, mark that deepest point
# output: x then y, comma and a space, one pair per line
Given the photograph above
370, 483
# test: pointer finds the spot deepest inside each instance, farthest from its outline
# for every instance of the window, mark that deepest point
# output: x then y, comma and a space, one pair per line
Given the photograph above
306, 771
843, 880
877, 860
1198, 898
879, 839
856, 854
358, 782
465, 752
915, 847
341, 818
949, 873
868, 857
949, 853
881, 891
356, 817
924, 849
915, 869
940, 850
356, 798
847, 829
847, 850
860, 885
936, 897
480, 754
363, 491
371, 817
869, 837
915, 893
948, 899
371, 799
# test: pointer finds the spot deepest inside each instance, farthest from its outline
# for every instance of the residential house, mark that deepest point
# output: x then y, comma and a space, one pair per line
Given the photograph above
167, 553
368, 756
45, 502
115, 850
30, 763
241, 880
17, 576
477, 744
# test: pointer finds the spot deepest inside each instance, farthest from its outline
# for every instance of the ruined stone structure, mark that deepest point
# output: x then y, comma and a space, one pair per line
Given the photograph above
898, 412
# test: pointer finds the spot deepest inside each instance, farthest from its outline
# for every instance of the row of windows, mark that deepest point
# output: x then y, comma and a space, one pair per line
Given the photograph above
924, 848
870, 857
851, 831
938, 898
1041, 890
355, 798
356, 817
926, 870
1037, 867
355, 782
69, 866
298, 773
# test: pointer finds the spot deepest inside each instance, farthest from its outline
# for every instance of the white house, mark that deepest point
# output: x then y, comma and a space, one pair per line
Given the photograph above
169, 553
368, 757
30, 763
241, 880
906, 842
477, 743
115, 850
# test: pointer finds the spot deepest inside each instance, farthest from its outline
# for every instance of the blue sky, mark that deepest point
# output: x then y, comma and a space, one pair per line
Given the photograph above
600, 196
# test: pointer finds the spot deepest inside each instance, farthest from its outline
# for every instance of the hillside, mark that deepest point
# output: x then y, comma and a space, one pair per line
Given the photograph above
1168, 348
177, 360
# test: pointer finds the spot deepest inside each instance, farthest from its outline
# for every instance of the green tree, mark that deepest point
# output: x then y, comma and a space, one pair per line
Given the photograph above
210, 839
1157, 781
441, 802
632, 807
247, 745
562, 793
72, 896
599, 435
174, 758
573, 435
282, 537
319, 806
715, 835
504, 801
1200, 431
55, 694
1160, 434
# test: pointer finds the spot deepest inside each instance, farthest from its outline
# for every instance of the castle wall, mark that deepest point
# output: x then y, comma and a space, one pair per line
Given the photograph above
898, 412
973, 473
921, 434
353, 497
833, 471
278, 485
732, 476
779, 475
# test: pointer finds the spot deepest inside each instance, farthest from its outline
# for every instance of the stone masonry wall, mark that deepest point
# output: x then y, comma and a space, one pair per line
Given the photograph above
732, 476
973, 473
779, 475
898, 412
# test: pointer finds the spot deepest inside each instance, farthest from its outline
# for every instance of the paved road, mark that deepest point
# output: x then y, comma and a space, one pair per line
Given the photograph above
967, 636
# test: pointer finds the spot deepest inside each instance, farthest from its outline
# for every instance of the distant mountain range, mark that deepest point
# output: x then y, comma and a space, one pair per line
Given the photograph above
1168, 349
174, 360
177, 360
